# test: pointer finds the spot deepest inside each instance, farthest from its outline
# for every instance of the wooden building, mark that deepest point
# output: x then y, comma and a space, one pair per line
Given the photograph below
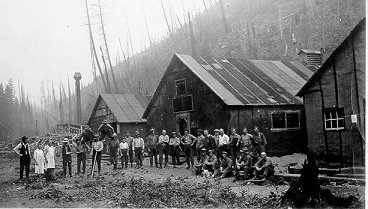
334, 100
123, 111
68, 129
211, 93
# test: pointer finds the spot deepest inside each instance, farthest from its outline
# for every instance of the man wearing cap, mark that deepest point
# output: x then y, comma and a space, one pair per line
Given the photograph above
187, 142
243, 164
263, 168
245, 141
97, 150
203, 157
67, 157
138, 147
129, 140
223, 141
225, 166
259, 141
233, 144
211, 162
113, 150
23, 150
175, 149
200, 142
163, 147
105, 130
152, 140
215, 148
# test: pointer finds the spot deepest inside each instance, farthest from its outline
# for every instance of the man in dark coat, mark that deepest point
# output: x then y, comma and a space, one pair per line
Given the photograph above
113, 150
67, 157
23, 150
152, 140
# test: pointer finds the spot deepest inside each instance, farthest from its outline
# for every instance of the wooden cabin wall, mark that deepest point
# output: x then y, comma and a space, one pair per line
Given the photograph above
209, 111
279, 142
336, 89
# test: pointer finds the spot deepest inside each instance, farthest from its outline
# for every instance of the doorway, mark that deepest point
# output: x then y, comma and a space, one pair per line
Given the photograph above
182, 122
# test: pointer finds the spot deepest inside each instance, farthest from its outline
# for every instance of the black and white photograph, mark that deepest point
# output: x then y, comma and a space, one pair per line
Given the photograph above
183, 103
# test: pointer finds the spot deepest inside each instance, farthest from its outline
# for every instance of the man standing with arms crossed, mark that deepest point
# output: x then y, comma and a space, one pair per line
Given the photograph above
23, 150
163, 147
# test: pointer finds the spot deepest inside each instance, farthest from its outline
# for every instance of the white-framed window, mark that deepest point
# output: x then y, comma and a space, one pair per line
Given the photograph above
334, 119
181, 87
285, 120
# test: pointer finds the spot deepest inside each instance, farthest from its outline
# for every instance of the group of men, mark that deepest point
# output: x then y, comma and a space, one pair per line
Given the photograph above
217, 155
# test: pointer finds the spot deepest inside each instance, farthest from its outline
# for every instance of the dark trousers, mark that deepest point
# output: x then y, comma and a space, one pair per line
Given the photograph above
81, 159
222, 149
124, 158
258, 148
98, 159
49, 174
245, 169
163, 150
226, 173
25, 163
264, 172
198, 153
233, 151
131, 156
152, 154
114, 157
189, 155
138, 156
175, 153
210, 168
67, 162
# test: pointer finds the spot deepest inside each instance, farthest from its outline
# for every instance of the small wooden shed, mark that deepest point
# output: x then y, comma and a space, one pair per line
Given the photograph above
210, 93
123, 111
334, 100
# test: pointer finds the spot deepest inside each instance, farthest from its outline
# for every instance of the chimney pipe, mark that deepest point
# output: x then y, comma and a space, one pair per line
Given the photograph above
78, 77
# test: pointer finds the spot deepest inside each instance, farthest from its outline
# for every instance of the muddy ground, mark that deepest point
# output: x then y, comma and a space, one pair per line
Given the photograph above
146, 187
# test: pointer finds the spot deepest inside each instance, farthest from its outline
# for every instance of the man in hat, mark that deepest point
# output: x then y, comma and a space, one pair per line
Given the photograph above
175, 149
97, 146
215, 143
105, 130
187, 142
225, 166
129, 140
202, 160
152, 140
67, 157
23, 150
259, 141
87, 135
113, 150
163, 147
263, 168
138, 147
200, 142
223, 141
211, 163
243, 164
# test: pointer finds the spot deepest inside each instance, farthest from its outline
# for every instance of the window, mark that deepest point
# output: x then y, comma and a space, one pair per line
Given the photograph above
283, 120
182, 104
334, 119
180, 87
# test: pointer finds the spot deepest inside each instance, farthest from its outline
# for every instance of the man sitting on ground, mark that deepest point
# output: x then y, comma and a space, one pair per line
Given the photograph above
225, 167
243, 164
263, 168
203, 158
210, 165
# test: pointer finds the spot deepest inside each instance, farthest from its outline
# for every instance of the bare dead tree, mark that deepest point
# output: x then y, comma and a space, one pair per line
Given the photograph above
106, 73
227, 28
107, 48
94, 48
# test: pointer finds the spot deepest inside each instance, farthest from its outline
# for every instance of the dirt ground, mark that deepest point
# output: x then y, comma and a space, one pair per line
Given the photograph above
137, 188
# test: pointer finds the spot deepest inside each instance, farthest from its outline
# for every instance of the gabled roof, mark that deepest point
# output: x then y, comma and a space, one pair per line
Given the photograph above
324, 66
127, 108
240, 82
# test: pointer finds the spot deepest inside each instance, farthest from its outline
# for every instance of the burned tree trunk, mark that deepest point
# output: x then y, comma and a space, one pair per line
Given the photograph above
306, 192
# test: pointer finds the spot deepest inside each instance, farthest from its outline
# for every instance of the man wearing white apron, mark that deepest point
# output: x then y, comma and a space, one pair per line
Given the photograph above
50, 160
40, 160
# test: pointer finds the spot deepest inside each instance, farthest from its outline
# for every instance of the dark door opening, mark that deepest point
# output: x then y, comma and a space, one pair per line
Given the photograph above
183, 124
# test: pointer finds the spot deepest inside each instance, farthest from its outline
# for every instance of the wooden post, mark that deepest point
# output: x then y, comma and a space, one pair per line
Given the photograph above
192, 40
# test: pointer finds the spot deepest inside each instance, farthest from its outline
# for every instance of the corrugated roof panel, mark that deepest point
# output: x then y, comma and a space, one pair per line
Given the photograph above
299, 80
134, 104
303, 68
247, 82
277, 76
234, 83
209, 80
296, 70
248, 69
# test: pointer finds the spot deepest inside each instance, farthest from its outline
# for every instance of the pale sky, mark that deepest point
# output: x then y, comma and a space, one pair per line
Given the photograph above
48, 39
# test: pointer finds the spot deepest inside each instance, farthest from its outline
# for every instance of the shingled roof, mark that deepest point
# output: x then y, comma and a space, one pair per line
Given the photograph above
127, 108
